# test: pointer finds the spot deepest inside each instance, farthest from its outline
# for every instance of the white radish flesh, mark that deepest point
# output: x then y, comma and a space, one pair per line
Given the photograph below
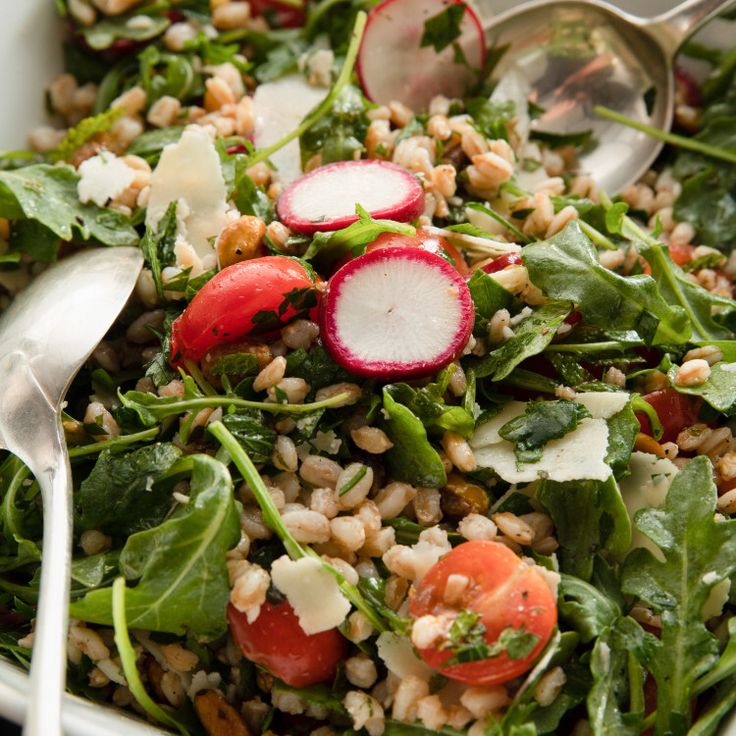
392, 65
325, 199
396, 312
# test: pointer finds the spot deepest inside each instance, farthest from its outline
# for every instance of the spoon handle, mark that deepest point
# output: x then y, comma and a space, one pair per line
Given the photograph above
48, 665
675, 26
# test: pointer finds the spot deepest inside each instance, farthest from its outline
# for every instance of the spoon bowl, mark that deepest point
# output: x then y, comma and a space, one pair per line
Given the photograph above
568, 56
46, 335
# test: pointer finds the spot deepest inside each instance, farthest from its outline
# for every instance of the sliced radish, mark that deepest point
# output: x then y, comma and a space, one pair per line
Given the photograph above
392, 65
396, 312
325, 199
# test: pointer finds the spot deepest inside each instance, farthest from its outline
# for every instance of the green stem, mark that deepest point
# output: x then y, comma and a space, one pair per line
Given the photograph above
500, 220
194, 371
127, 659
125, 439
326, 105
592, 347
690, 144
597, 236
273, 519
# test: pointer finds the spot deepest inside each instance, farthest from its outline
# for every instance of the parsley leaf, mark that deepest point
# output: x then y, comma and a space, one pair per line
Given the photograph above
441, 30
696, 553
541, 422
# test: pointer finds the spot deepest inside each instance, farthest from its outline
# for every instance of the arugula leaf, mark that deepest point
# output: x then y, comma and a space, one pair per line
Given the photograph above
541, 422
120, 495
583, 607
412, 459
622, 430
581, 139
149, 145
696, 553
588, 515
104, 33
48, 194
699, 304
158, 248
180, 564
21, 521
316, 367
33, 239
488, 297
566, 267
247, 197
328, 247
719, 390
249, 430
532, 336
443, 28
339, 135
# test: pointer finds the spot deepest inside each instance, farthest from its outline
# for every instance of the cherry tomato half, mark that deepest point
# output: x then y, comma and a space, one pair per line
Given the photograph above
252, 296
680, 253
675, 411
504, 592
425, 240
276, 641
285, 15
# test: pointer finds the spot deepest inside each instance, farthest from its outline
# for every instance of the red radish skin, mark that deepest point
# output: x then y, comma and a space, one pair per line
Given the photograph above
396, 312
392, 65
325, 199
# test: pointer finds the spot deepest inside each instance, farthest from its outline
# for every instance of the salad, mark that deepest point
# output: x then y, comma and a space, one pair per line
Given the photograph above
407, 428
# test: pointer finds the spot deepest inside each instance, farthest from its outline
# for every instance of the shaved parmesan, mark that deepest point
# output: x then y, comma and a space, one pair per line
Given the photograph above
578, 455
398, 654
603, 404
102, 178
190, 174
716, 599
312, 592
279, 107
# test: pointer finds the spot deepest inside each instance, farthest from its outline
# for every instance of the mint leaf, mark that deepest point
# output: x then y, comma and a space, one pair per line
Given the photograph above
697, 552
541, 422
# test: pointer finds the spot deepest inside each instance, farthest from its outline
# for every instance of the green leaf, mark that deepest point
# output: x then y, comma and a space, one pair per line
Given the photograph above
443, 28
249, 430
541, 422
328, 247
316, 367
566, 267
48, 194
588, 515
488, 297
96, 570
586, 609
120, 495
180, 564
149, 145
34, 239
696, 552
247, 197
531, 337
491, 118
622, 430
104, 33
699, 304
83, 131
158, 248
719, 390
412, 459
399, 728
580, 139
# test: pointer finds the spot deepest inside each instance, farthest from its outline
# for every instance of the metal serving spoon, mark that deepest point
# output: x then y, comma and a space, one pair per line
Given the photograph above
567, 56
45, 336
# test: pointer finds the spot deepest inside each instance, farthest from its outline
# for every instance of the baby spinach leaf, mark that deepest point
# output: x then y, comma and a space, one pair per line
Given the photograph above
34, 239
488, 297
119, 496
249, 430
412, 459
566, 267
719, 390
588, 515
95, 570
531, 338
180, 564
697, 552
541, 422
48, 194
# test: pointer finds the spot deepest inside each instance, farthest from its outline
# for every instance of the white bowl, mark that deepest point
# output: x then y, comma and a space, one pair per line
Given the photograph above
30, 57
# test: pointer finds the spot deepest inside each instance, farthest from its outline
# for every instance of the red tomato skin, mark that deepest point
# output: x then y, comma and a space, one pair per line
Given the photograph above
510, 259
276, 641
675, 410
425, 240
286, 15
504, 592
224, 308
680, 253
